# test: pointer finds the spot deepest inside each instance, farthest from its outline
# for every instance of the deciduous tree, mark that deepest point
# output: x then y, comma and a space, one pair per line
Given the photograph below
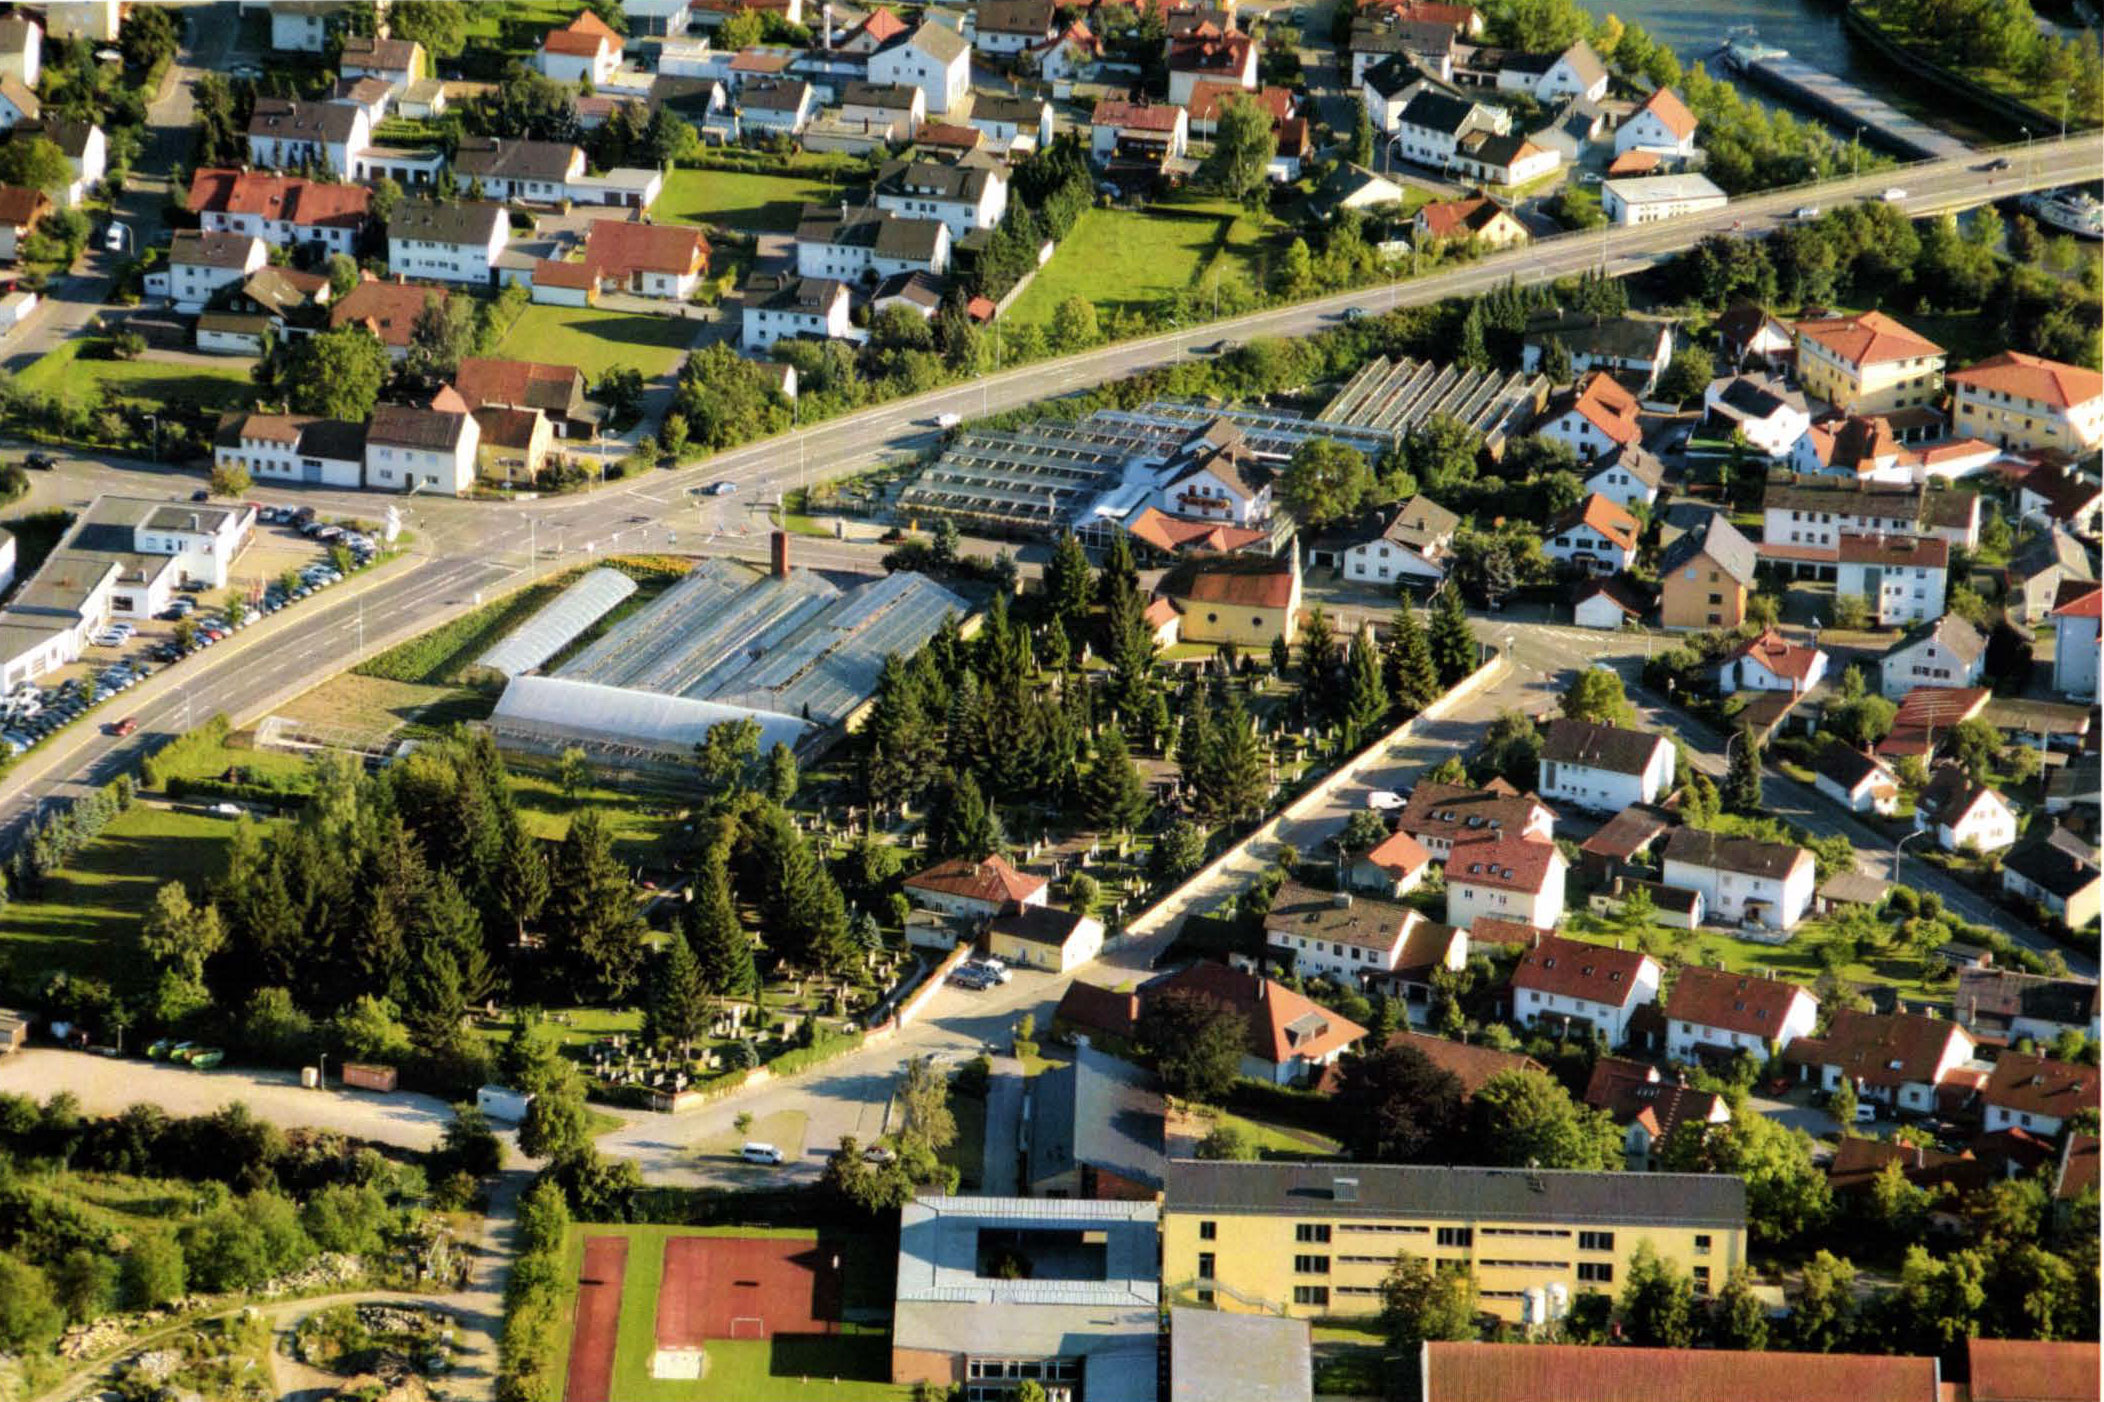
1197, 1043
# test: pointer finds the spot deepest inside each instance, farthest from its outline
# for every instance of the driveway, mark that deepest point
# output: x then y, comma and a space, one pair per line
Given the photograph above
1004, 1128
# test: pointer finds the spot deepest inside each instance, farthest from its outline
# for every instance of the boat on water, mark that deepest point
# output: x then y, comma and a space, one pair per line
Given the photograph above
1743, 47
2071, 210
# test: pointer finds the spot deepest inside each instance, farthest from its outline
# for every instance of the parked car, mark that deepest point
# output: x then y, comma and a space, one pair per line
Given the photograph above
42, 462
760, 1153
1808, 211
946, 422
1866, 1113
226, 810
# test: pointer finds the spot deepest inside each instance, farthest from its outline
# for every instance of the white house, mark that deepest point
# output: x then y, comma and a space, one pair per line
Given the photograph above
1858, 782
21, 50
1216, 490
1013, 26
1352, 937
893, 111
1771, 414
975, 890
2037, 1093
511, 169
86, 149
1596, 416
585, 49
302, 27
2077, 611
1626, 475
1646, 199
286, 210
1068, 56
422, 450
2060, 872
1965, 815
1412, 547
1771, 662
1446, 817
963, 197
1624, 345
293, 448
1762, 883
780, 306
1603, 768
457, 241
1901, 577
1430, 127
1560, 982
648, 260
329, 136
1393, 867
395, 62
1507, 877
1040, 937
1206, 54
775, 104
1596, 536
1895, 1059
1576, 72
934, 59
1013, 126
1610, 603
1949, 652
1662, 125
1150, 131
1710, 1010
200, 264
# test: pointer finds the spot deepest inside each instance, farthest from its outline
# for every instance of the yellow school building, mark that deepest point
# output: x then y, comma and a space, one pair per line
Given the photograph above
1317, 1240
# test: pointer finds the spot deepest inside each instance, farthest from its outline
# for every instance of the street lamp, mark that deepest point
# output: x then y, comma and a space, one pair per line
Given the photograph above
1855, 153
1899, 848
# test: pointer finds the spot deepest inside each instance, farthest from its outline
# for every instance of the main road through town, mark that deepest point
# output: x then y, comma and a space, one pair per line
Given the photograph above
465, 551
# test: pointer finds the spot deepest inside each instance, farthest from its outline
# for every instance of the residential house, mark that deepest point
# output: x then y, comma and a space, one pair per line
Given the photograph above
1040, 937
1662, 124
1470, 1063
302, 26
2034, 574
17, 103
1895, 1059
1604, 768
1761, 405
1291, 1038
2024, 401
1596, 536
1147, 132
1804, 517
775, 104
1575, 986
1868, 363
1900, 577
1705, 575
2003, 1006
2077, 612
1208, 55
21, 209
1013, 126
1154, 530
425, 450
556, 391
1444, 817
1770, 884
1013, 26
780, 306
1509, 877
934, 59
648, 260
1068, 56
1506, 160
1648, 1107
1771, 662
2059, 872
893, 111
83, 145
1241, 599
1411, 548
329, 136
586, 50
2053, 493
455, 241
1926, 711
508, 168
1597, 415
1711, 1011
285, 210
1430, 128
97, 21
1748, 334
1353, 187
975, 891
1576, 72
1626, 475
1393, 867
396, 62
1635, 351
1858, 782
1964, 814
1611, 602
387, 309
1315, 1240
1855, 448
201, 264
1471, 1372
512, 445
292, 448
1858, 1164
1647, 199
1389, 86
963, 197
1478, 219
1208, 480
1949, 652
1571, 129
1210, 99
1386, 40
1356, 939
1096, 1130
868, 244
2037, 1093
21, 49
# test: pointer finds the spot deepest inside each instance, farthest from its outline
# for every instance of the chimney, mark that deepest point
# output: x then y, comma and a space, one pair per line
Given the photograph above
780, 552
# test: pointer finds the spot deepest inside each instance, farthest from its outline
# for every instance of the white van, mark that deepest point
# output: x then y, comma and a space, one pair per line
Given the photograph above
760, 1153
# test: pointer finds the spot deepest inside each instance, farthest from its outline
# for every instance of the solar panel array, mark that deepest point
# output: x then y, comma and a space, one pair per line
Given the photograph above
552, 628
1396, 396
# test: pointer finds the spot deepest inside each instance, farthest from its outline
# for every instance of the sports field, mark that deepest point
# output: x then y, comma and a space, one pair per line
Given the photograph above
685, 1314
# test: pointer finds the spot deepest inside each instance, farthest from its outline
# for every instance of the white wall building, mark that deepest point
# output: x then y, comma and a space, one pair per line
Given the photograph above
1711, 1010
1648, 199
421, 450
1763, 883
293, 448
1589, 985
452, 242
1949, 652
1604, 768
1901, 578
1507, 878
932, 58
2077, 612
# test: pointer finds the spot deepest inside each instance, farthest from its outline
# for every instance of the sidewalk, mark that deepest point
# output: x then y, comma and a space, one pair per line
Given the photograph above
1004, 1128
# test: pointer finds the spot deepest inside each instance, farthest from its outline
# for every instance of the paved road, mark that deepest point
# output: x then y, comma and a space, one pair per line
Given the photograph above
471, 547
1004, 1128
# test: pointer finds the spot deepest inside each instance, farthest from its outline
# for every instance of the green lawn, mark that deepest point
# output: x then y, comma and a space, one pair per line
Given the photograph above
1797, 961
198, 760
967, 1152
1134, 258
642, 820
1279, 1141
596, 342
852, 1366
86, 918
75, 364
737, 199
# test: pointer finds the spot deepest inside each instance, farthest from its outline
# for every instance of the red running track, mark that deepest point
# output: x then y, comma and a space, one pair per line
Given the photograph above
786, 1283
598, 1320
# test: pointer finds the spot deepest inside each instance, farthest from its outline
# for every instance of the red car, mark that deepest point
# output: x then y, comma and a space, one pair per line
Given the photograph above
125, 726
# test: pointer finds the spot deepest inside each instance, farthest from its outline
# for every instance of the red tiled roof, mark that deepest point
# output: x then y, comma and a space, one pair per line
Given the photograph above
2079, 598
1459, 813
2032, 377
1264, 588
1137, 116
1575, 969
308, 203
1507, 862
1489, 929
582, 36
552, 272
2078, 1168
1858, 1163
1920, 551
1734, 1002
21, 206
1468, 1372
1791, 661
992, 881
1666, 105
1634, 162
2038, 1085
504, 427
1605, 517
1210, 53
1879, 1049
1451, 219
882, 25
1171, 534
1605, 404
1211, 96
949, 134
615, 248
1632, 1092
2030, 1370
1282, 1023
1870, 338
1466, 1062
1399, 854
388, 309
1094, 1008
482, 380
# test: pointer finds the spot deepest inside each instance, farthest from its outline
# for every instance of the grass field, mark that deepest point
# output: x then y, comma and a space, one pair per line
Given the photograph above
1797, 961
852, 1366
1133, 258
1278, 1141
197, 760
597, 341
68, 370
87, 917
642, 820
378, 706
737, 199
